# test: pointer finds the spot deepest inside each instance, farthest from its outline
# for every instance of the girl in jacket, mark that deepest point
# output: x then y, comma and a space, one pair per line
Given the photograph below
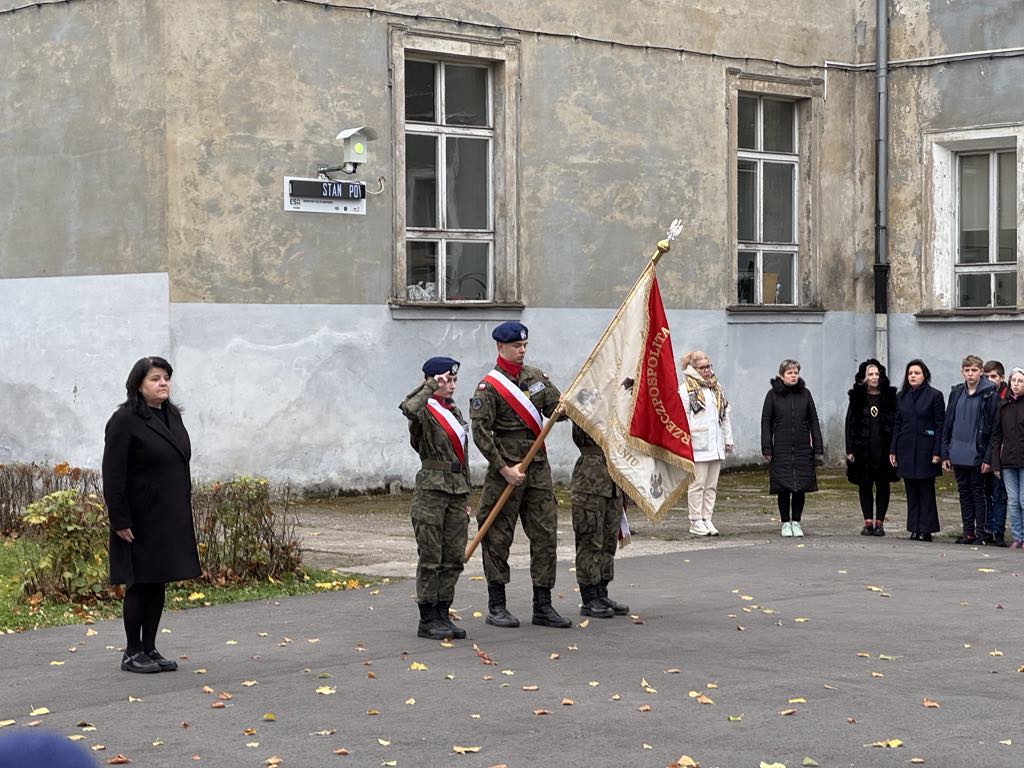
790, 441
916, 448
707, 412
869, 420
148, 489
1007, 453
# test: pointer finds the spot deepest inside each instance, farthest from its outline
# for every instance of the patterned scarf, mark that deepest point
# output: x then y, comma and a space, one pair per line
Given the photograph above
695, 386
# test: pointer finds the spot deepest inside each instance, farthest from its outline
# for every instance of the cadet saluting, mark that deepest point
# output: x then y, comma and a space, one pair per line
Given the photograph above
506, 413
440, 509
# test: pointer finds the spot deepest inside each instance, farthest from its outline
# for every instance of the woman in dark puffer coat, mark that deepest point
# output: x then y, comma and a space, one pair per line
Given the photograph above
869, 422
790, 441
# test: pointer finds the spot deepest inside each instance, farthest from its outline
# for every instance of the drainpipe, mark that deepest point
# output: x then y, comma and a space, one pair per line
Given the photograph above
882, 183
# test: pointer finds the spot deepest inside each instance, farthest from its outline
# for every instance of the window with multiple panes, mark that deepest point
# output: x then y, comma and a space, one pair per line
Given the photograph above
767, 171
986, 254
449, 209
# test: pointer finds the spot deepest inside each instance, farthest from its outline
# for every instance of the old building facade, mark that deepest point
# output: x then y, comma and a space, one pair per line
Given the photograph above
525, 159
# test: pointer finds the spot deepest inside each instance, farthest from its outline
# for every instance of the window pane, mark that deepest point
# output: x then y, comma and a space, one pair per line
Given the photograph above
420, 180
974, 210
1007, 208
1006, 289
777, 278
466, 173
975, 290
419, 92
778, 203
466, 271
465, 95
421, 271
746, 122
746, 277
778, 126
746, 203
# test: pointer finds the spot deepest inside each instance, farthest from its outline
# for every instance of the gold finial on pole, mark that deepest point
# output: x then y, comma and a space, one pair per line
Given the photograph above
664, 246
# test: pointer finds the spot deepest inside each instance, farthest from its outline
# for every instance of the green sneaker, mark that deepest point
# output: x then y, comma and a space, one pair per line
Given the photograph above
787, 529
796, 529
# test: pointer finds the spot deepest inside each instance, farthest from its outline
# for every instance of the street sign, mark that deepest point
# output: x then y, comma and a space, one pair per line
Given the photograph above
324, 195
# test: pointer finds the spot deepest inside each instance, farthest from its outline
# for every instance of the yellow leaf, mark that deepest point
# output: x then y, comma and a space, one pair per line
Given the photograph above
995, 652
768, 611
929, 704
464, 750
875, 589
133, 698
273, 761
593, 683
200, 671
384, 742
326, 690
475, 716
39, 711
798, 700
712, 686
644, 708
5, 723
252, 744
787, 712
567, 702
230, 642
447, 644
888, 743
801, 620
886, 657
864, 655
643, 682
270, 717
97, 747
772, 765
249, 683
809, 762
90, 632
449, 676
648, 689
685, 761
56, 663
373, 712
877, 674
507, 672
531, 687
672, 671
986, 570
693, 694
1006, 742
390, 763
410, 701
584, 624
193, 596
477, 615
645, 745
313, 640
746, 597
702, 699
417, 666
554, 657
76, 737
571, 647
917, 760
735, 718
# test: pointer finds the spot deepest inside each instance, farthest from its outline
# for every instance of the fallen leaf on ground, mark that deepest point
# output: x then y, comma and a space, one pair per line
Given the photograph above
541, 712
567, 702
326, 690
341, 751
986, 570
97, 747
739, 628
864, 655
851, 721
831, 687
995, 652
217, 705
270, 717
672, 671
735, 718
797, 700
252, 744
119, 759
207, 689
712, 686
417, 666
91, 632
273, 761
384, 742
410, 701
133, 699
917, 760
593, 683
810, 762
200, 671
249, 683
531, 687
787, 712
801, 620
249, 731
76, 737
929, 704
464, 750
877, 674
685, 761
1006, 742
886, 657
584, 624
615, 697
644, 708
230, 642
324, 732
56, 663
702, 699
554, 657
373, 712
5, 723
508, 672
224, 696
888, 743
772, 765
645, 745
39, 711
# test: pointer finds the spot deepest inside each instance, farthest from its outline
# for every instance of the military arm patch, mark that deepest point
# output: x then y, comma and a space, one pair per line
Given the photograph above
475, 404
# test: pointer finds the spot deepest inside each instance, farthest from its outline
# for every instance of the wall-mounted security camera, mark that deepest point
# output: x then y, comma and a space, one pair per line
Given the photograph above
353, 144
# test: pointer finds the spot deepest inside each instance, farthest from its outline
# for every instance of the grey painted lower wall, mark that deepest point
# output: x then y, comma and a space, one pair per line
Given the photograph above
310, 393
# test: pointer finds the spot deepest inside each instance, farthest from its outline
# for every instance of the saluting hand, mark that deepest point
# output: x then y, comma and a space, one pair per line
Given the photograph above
126, 534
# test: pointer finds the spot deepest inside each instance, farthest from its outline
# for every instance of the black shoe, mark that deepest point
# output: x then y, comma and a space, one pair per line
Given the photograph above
926, 537
915, 536
430, 625
592, 604
965, 539
497, 614
166, 665
620, 609
868, 529
986, 538
544, 614
139, 662
879, 529
999, 540
444, 614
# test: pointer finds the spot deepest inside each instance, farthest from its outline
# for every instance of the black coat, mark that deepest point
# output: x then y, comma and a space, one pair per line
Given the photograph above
148, 488
791, 435
917, 434
858, 435
1007, 446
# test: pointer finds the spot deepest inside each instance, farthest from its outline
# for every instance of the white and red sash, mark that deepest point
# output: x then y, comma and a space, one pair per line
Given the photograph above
452, 428
516, 400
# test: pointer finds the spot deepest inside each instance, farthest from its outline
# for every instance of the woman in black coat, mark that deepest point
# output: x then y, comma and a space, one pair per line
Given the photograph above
790, 440
916, 450
148, 489
870, 417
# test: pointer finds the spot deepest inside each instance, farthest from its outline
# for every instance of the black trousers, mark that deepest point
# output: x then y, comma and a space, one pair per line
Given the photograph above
973, 501
922, 511
877, 504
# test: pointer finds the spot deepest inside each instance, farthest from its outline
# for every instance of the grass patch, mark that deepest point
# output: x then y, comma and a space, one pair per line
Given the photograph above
18, 616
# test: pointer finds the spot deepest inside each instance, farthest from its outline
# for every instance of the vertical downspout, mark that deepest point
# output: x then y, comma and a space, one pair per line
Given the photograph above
882, 183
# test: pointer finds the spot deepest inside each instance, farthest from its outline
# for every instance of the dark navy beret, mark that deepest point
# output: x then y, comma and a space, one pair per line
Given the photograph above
435, 366
510, 331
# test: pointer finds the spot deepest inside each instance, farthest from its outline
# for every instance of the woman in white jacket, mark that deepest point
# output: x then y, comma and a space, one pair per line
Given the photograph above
707, 411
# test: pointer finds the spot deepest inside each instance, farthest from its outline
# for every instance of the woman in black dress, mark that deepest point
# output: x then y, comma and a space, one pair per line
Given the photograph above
869, 421
916, 450
148, 489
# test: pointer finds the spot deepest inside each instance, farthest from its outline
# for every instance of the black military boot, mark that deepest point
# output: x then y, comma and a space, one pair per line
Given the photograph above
544, 614
592, 605
430, 625
618, 608
497, 614
442, 614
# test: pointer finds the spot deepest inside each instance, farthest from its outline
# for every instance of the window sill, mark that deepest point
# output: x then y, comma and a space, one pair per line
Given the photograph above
414, 310
985, 315
773, 313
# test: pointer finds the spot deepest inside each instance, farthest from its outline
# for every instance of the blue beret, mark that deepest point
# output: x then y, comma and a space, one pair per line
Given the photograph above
435, 366
42, 748
510, 331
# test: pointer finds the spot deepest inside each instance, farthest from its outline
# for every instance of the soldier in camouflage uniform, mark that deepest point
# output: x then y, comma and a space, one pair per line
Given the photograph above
597, 505
440, 509
504, 438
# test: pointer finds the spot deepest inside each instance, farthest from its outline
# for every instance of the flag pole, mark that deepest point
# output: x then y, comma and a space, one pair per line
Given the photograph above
537, 443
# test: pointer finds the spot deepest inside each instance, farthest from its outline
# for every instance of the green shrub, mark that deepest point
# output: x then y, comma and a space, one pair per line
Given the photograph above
22, 483
70, 530
243, 534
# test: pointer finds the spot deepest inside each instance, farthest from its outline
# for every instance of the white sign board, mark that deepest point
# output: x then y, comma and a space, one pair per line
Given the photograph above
324, 195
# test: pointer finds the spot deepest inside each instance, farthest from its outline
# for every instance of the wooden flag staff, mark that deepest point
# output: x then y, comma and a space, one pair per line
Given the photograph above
663, 248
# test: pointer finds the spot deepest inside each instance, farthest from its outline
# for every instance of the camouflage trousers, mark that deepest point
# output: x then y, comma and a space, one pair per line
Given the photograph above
537, 509
440, 523
595, 521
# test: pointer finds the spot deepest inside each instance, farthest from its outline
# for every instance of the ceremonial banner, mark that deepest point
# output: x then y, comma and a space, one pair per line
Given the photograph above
626, 397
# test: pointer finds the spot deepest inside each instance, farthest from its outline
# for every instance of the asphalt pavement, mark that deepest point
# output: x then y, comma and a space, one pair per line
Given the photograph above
773, 652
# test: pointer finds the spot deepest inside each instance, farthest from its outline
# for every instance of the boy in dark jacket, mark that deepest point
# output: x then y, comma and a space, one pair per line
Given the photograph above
995, 489
965, 439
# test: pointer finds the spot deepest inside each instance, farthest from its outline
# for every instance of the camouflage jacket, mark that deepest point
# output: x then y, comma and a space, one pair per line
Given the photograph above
501, 435
590, 475
431, 442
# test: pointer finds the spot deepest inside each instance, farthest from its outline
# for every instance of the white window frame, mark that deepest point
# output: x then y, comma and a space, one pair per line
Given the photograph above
941, 151
759, 157
501, 57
